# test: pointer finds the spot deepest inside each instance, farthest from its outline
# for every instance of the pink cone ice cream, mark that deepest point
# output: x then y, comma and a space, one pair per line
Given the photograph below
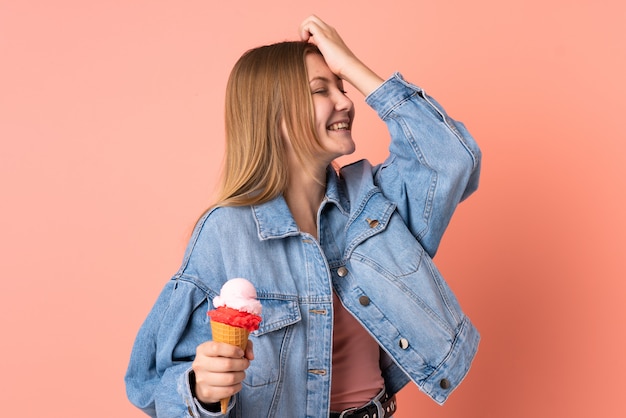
237, 305
236, 314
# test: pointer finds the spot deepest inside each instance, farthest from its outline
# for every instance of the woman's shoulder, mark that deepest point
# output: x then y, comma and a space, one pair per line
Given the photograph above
220, 218
218, 229
224, 213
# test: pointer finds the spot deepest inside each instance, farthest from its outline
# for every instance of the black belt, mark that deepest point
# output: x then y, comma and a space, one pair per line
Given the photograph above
387, 403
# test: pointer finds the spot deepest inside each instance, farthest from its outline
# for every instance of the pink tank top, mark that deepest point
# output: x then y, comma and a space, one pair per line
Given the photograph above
356, 377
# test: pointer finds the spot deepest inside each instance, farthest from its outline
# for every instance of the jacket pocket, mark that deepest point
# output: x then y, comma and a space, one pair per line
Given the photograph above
393, 252
272, 340
278, 312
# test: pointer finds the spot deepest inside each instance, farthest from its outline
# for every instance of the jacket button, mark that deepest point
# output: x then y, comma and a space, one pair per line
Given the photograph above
364, 300
373, 223
342, 271
444, 384
403, 343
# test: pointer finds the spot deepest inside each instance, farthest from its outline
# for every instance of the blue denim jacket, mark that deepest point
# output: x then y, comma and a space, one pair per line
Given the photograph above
379, 227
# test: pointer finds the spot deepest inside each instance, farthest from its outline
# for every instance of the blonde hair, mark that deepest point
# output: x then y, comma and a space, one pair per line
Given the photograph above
267, 87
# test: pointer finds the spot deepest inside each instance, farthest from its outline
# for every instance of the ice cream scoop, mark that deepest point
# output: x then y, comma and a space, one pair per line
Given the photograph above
238, 294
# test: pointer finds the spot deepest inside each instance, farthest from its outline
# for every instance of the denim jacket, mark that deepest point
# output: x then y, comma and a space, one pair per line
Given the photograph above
378, 229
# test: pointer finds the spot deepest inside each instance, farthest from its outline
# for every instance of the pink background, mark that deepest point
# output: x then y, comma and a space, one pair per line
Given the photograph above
111, 138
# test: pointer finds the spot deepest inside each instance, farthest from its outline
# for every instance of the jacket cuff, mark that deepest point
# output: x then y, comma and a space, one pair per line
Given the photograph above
195, 407
454, 368
390, 94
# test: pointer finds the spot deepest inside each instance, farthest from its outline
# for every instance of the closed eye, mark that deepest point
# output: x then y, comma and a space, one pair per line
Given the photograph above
325, 91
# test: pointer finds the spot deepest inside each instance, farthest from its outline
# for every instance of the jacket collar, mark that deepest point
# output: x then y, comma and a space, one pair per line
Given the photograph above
274, 219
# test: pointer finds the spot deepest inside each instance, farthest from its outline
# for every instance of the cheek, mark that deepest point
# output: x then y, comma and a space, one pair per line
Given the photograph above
322, 111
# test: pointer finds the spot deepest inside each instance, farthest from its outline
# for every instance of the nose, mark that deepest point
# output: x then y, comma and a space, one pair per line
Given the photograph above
342, 102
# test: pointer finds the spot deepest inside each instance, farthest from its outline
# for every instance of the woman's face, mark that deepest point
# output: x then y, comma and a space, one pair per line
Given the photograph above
334, 111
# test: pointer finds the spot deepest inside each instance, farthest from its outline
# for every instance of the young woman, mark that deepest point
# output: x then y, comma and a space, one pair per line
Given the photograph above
353, 306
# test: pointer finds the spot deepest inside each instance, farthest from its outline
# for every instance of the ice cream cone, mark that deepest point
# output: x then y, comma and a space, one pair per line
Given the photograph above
236, 314
231, 335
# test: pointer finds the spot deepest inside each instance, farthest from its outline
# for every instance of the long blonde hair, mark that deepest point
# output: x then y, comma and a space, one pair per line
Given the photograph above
267, 87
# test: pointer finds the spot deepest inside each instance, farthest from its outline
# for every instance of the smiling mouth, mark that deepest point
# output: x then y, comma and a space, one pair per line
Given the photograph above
340, 126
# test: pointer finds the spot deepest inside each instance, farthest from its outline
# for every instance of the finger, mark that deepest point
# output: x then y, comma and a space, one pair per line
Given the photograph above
215, 386
249, 351
231, 374
314, 19
311, 26
306, 31
219, 349
210, 394
221, 380
220, 364
215, 394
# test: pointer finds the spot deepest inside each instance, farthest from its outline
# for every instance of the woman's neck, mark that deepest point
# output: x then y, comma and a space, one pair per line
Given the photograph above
304, 195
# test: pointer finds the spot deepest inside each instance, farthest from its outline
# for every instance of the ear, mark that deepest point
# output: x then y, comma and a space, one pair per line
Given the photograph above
284, 134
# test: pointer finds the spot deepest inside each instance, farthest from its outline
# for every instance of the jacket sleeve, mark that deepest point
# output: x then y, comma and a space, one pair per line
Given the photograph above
434, 162
157, 375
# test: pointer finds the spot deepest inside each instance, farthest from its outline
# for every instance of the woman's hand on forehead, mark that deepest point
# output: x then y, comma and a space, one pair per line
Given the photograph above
339, 58
336, 53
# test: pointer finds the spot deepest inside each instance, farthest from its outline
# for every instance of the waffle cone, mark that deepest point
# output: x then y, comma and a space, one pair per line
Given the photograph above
228, 334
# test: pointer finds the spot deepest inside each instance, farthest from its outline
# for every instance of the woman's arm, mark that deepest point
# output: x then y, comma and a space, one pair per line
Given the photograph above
434, 162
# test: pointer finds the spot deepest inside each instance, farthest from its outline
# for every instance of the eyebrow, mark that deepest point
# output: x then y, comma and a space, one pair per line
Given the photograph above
324, 79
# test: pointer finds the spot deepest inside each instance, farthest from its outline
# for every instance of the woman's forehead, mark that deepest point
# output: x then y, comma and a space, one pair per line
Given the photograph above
317, 69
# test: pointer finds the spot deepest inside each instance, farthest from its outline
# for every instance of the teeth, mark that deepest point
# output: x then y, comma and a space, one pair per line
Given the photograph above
339, 126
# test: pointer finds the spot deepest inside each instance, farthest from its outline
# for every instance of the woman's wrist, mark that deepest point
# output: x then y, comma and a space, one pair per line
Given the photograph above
362, 77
